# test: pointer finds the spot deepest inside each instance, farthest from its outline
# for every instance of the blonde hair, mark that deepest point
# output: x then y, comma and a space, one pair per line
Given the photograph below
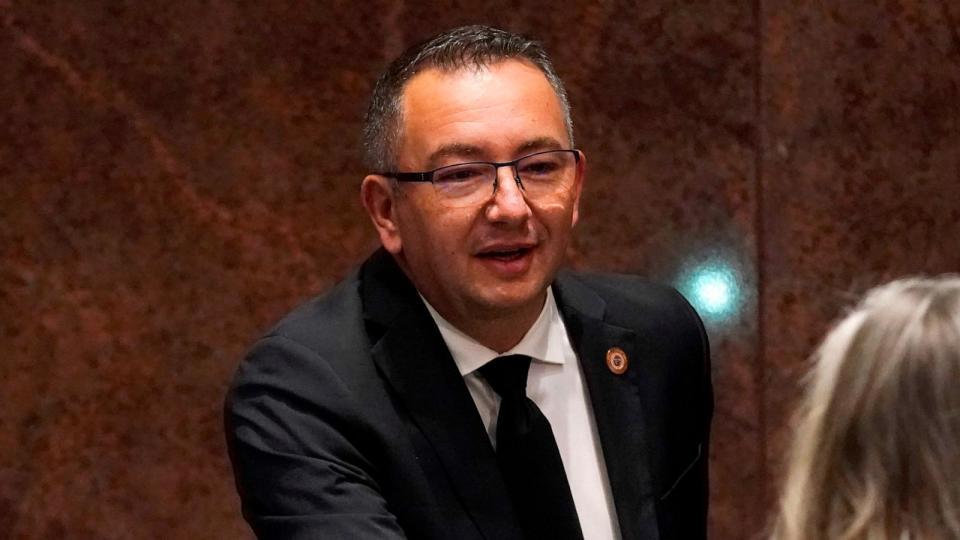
876, 453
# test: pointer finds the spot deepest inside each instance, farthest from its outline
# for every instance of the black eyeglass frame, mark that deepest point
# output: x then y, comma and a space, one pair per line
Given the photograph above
427, 176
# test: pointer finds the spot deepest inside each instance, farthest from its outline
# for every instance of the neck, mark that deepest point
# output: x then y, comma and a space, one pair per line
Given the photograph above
500, 330
500, 334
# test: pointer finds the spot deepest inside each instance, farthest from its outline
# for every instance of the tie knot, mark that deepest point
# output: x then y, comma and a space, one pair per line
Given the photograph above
507, 374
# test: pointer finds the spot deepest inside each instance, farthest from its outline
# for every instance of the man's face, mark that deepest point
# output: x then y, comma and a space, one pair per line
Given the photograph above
494, 259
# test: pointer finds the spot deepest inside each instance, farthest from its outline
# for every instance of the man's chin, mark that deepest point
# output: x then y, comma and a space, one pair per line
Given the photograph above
506, 301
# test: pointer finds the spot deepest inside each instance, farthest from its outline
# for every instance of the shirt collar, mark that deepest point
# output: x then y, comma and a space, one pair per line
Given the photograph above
543, 341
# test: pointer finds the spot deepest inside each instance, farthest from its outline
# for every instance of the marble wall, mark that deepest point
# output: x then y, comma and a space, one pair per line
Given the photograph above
175, 177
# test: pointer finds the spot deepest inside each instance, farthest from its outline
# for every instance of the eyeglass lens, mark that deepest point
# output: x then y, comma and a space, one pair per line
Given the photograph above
542, 175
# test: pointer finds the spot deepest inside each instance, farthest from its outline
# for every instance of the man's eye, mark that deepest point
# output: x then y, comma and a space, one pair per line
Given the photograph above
457, 175
539, 167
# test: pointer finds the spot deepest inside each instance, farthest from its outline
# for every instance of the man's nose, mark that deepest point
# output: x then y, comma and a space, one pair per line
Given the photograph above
509, 202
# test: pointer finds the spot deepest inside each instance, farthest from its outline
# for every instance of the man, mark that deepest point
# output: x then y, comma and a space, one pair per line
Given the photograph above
458, 386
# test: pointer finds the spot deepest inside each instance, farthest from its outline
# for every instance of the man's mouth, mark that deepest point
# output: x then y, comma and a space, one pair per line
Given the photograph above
506, 254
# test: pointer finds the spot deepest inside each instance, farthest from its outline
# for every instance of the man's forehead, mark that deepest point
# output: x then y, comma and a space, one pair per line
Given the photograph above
473, 75
471, 68
484, 151
506, 108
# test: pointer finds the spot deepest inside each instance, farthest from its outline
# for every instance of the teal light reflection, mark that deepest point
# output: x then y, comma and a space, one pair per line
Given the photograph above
713, 289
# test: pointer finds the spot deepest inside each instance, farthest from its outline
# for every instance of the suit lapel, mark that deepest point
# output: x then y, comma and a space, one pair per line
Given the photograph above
616, 404
412, 356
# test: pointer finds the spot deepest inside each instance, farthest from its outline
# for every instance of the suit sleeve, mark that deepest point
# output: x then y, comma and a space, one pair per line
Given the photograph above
301, 455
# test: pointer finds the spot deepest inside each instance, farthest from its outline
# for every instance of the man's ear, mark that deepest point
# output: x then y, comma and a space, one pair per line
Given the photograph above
578, 187
377, 194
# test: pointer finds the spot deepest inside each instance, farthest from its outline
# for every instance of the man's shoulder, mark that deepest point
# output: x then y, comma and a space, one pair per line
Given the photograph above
320, 342
627, 300
336, 312
614, 284
621, 289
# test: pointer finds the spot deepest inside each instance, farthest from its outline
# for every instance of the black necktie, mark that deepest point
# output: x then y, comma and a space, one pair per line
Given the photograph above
528, 456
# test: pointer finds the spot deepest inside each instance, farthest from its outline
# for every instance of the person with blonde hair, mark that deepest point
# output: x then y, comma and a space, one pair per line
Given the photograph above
876, 454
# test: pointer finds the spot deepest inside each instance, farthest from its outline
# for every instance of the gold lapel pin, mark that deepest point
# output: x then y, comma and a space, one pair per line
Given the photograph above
617, 360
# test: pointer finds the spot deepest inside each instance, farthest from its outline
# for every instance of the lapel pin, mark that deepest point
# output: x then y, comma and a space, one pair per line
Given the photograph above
617, 360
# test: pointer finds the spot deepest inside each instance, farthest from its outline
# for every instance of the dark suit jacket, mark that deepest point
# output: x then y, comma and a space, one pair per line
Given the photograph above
350, 420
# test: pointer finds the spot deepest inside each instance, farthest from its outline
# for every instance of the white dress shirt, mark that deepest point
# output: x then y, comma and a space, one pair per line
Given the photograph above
555, 384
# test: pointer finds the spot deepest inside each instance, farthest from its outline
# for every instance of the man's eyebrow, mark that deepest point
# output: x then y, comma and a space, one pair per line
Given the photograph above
462, 150
474, 152
538, 144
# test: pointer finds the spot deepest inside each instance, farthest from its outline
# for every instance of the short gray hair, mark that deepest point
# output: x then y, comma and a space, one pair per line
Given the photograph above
464, 47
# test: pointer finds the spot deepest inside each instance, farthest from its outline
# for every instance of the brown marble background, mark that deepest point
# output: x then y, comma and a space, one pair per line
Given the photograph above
174, 177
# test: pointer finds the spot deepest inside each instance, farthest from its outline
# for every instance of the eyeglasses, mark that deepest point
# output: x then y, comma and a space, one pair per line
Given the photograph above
541, 175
